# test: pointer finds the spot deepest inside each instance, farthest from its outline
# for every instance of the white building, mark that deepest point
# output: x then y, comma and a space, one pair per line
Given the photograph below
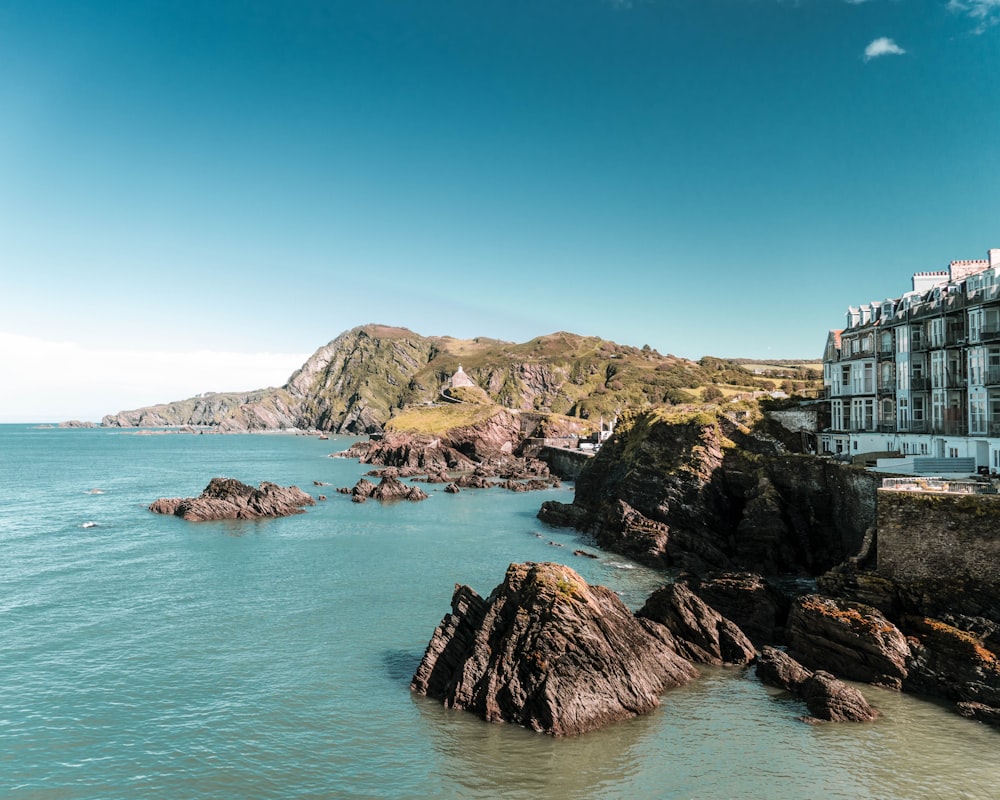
919, 375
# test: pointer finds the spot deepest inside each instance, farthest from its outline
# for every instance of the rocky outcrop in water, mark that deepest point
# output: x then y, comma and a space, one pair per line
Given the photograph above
489, 440
697, 632
228, 498
827, 698
718, 490
848, 639
548, 651
388, 489
758, 607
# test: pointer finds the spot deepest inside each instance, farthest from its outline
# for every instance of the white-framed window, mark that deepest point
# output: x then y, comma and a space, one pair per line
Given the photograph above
937, 332
977, 412
975, 324
976, 366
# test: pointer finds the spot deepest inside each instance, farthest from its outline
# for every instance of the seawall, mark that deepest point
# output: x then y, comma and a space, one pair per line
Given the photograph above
927, 536
567, 464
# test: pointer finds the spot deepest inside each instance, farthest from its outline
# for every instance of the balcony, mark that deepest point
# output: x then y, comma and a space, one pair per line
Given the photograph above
951, 427
920, 384
990, 333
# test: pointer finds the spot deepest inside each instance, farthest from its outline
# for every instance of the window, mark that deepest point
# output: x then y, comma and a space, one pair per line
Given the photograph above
977, 366
977, 412
845, 375
938, 372
975, 324
952, 452
937, 332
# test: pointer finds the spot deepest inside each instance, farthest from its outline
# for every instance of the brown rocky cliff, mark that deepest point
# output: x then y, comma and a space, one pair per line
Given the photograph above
721, 492
547, 651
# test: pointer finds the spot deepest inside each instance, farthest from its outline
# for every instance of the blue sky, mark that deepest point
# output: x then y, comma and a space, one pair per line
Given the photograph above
195, 196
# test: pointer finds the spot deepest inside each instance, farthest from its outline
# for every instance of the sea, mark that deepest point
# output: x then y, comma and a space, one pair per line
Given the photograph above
142, 656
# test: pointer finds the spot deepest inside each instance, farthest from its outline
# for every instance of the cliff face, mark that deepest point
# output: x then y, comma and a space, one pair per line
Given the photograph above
352, 384
359, 380
718, 490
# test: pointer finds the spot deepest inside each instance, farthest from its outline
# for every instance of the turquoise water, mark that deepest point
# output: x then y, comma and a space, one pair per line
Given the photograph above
147, 657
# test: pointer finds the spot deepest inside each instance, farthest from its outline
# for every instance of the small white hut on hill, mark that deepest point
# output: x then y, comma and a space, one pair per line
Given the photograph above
460, 379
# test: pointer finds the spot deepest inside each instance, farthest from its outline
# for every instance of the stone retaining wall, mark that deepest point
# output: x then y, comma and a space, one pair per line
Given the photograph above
927, 536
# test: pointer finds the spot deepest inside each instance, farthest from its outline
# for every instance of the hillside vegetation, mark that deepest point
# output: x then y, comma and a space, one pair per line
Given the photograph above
361, 379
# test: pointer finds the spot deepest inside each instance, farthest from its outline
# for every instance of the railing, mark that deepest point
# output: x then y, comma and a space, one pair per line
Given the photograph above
937, 485
950, 427
921, 384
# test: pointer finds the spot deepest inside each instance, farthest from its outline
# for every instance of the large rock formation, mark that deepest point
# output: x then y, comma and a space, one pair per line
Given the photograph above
718, 490
228, 498
547, 651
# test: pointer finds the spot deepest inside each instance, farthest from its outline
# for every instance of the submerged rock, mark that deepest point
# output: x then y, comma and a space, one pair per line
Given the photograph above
548, 651
228, 498
827, 698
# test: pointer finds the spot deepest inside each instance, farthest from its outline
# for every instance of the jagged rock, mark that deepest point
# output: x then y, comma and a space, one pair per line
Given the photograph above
849, 639
391, 488
756, 606
717, 491
451, 488
827, 698
700, 633
547, 651
362, 489
981, 713
563, 515
473, 482
776, 668
584, 554
951, 663
832, 700
228, 498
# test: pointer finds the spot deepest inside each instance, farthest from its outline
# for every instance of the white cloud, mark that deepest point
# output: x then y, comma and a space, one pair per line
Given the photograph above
46, 381
883, 46
987, 12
